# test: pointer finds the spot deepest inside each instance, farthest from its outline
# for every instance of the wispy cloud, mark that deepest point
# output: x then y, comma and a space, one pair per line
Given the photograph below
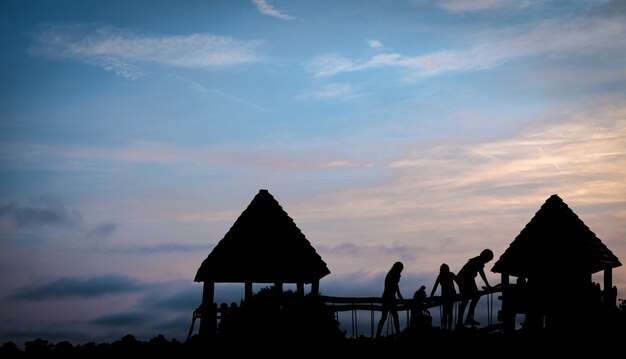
92, 287
43, 211
270, 157
447, 198
583, 155
200, 88
476, 5
102, 230
124, 52
374, 44
332, 91
124, 319
239, 100
574, 38
265, 8
185, 299
349, 249
163, 248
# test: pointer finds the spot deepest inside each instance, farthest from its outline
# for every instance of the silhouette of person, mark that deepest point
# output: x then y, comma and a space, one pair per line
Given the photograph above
419, 317
446, 279
389, 304
466, 280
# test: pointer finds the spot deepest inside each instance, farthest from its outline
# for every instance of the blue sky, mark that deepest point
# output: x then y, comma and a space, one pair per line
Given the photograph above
134, 133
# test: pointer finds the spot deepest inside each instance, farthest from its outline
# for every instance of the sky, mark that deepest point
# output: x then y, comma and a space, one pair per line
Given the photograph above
134, 133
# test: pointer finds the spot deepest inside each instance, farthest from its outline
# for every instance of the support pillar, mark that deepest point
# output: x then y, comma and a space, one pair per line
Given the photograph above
208, 317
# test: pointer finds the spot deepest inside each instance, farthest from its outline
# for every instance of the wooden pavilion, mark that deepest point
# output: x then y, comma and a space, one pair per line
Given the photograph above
554, 258
264, 245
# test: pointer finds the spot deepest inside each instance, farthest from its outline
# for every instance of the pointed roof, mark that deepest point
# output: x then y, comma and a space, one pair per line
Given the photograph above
264, 245
555, 239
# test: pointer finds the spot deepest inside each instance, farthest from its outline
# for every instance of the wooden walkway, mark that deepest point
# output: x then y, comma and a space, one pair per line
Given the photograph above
371, 305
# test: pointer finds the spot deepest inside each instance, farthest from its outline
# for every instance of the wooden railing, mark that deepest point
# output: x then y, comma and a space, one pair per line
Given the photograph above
374, 304
361, 304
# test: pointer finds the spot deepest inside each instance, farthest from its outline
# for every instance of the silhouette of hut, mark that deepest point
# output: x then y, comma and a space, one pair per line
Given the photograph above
264, 245
556, 254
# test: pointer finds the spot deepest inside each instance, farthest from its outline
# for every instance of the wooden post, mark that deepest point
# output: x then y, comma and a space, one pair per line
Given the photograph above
208, 320
300, 289
508, 312
248, 290
315, 287
609, 299
278, 287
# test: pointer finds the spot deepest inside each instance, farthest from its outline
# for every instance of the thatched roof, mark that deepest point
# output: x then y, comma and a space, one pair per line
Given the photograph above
555, 240
264, 245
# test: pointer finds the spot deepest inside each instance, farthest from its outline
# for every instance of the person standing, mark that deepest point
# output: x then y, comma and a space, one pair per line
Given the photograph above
466, 280
389, 303
446, 279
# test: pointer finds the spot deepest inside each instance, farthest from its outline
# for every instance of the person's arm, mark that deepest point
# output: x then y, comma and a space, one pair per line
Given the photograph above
484, 277
434, 287
399, 294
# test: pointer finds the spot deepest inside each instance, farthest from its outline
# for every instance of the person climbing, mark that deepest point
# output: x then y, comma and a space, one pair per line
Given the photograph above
389, 303
446, 279
466, 280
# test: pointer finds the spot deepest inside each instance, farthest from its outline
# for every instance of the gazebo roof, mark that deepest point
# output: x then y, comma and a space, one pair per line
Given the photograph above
264, 245
554, 240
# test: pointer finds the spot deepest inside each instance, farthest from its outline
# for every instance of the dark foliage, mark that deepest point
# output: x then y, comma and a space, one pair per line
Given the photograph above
287, 326
271, 314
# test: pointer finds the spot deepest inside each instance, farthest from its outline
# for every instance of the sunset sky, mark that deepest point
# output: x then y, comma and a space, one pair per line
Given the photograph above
134, 133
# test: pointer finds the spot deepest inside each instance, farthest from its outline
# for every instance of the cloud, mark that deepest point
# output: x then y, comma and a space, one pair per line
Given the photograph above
163, 248
102, 230
124, 319
124, 52
271, 157
333, 91
477, 5
574, 39
374, 44
348, 249
581, 154
93, 287
585, 145
44, 211
240, 100
265, 8
441, 202
371, 283
186, 299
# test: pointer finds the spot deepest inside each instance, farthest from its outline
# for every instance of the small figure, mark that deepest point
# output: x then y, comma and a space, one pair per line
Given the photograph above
389, 304
420, 316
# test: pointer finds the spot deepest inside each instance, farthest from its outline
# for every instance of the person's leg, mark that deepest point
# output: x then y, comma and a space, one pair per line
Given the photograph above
462, 306
381, 323
470, 311
447, 316
396, 322
471, 296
